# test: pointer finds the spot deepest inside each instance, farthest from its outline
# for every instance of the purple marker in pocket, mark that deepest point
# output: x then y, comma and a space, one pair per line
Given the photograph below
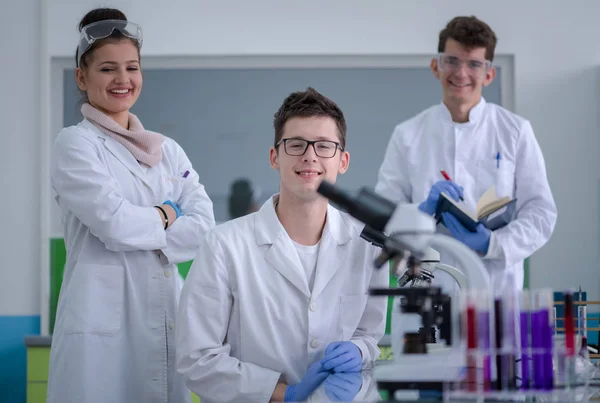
185, 175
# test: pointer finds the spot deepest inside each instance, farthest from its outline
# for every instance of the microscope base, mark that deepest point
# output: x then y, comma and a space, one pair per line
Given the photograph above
420, 372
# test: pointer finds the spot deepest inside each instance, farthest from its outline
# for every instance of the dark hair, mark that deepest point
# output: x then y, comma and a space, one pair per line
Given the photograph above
470, 32
240, 198
101, 14
306, 104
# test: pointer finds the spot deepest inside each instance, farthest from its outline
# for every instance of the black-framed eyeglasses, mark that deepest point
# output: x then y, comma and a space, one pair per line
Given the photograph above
298, 147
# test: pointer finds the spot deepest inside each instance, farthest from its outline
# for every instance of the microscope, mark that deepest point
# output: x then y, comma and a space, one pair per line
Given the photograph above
412, 273
404, 233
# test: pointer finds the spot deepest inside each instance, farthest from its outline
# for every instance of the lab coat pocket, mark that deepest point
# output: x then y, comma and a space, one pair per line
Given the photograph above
491, 172
351, 311
94, 299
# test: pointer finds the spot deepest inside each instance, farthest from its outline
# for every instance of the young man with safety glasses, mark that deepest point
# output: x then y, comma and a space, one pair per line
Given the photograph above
278, 299
479, 145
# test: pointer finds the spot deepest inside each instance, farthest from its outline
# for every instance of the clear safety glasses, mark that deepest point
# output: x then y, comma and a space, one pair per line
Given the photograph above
452, 64
103, 29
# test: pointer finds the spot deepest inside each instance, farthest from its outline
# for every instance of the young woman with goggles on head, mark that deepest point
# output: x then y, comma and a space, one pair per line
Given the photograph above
132, 209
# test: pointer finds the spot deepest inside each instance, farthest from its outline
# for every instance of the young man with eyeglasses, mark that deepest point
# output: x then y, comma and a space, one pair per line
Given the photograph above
278, 299
479, 145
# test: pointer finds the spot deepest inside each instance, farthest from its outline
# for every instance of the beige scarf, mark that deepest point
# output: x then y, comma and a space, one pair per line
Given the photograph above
146, 146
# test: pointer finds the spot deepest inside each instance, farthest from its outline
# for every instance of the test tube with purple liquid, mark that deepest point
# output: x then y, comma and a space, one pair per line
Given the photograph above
541, 339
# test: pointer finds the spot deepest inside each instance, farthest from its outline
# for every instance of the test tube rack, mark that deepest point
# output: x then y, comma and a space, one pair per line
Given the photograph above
577, 328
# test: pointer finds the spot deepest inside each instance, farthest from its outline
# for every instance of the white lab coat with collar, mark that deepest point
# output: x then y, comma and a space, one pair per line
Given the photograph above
114, 335
247, 318
430, 141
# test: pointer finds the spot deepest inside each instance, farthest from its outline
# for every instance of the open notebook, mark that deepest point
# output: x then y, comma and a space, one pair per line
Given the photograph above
491, 211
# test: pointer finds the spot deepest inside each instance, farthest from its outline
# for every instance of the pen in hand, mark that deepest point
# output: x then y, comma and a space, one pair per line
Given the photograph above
447, 177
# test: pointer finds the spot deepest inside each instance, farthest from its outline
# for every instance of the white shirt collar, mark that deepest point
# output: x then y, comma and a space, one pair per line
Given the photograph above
475, 114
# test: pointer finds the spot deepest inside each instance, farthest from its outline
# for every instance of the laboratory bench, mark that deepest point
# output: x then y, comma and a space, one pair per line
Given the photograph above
38, 356
38, 359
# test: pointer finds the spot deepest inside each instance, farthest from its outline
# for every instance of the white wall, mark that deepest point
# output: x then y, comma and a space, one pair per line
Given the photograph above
19, 158
556, 51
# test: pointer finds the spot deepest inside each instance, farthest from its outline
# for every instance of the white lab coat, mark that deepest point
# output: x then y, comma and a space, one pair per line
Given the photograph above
114, 335
247, 318
430, 141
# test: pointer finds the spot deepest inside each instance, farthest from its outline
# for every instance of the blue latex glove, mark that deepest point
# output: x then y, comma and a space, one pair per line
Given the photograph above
315, 375
449, 187
343, 387
175, 207
342, 356
479, 241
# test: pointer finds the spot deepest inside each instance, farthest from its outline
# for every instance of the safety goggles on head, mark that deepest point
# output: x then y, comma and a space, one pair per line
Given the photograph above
103, 29
473, 67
